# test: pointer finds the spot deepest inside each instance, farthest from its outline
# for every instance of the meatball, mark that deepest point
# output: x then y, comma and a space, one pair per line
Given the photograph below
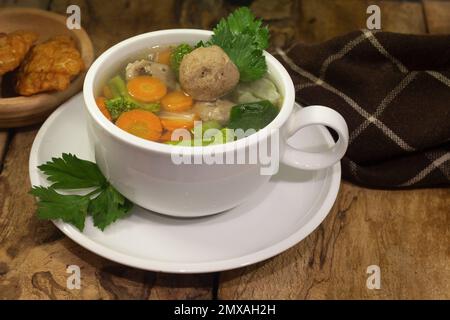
218, 110
157, 70
208, 73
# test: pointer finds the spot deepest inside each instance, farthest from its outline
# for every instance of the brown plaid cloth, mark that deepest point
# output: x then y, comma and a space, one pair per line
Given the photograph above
394, 92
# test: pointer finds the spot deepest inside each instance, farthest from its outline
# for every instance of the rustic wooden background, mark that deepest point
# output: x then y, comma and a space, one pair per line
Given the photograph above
406, 233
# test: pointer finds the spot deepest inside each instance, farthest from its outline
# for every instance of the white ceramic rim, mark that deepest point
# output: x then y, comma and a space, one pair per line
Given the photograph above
287, 91
333, 174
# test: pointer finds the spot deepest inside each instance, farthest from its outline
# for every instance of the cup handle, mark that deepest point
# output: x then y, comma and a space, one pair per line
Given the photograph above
316, 115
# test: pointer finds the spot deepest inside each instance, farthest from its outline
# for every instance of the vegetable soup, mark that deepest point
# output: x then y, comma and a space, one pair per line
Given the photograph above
208, 90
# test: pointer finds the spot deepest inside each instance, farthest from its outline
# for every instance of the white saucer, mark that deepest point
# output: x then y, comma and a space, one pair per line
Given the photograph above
275, 218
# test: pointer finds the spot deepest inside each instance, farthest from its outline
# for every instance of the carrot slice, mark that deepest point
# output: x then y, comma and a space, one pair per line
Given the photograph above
141, 123
164, 56
171, 124
101, 104
177, 101
146, 88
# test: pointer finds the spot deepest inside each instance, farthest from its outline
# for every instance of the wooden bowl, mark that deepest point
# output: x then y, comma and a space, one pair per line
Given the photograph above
22, 111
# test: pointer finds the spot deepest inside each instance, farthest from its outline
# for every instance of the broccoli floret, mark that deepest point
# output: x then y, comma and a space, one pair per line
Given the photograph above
177, 56
122, 104
119, 105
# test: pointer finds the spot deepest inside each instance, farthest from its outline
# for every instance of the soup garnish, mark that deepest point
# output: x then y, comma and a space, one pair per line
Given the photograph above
100, 199
219, 86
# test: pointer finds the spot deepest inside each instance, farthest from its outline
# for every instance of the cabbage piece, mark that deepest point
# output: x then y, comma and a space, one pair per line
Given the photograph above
182, 116
262, 89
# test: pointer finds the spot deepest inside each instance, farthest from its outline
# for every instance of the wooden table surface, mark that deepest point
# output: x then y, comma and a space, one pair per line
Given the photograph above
406, 233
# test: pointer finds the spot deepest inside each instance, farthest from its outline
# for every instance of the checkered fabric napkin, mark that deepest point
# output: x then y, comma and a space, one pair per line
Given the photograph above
394, 92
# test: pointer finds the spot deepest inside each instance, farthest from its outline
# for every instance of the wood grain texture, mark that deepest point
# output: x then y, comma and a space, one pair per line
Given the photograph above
282, 18
4, 134
403, 17
321, 20
34, 254
406, 233
115, 21
42, 4
437, 16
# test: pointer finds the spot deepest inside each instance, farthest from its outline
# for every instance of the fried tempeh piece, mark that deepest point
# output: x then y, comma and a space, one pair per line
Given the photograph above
49, 66
13, 49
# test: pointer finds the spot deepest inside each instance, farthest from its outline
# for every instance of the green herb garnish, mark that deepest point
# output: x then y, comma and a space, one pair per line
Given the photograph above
177, 56
52, 205
119, 105
104, 203
243, 21
108, 207
254, 115
243, 38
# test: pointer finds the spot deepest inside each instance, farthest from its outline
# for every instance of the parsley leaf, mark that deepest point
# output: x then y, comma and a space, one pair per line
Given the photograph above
243, 38
248, 59
242, 21
177, 56
108, 207
70, 172
69, 208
